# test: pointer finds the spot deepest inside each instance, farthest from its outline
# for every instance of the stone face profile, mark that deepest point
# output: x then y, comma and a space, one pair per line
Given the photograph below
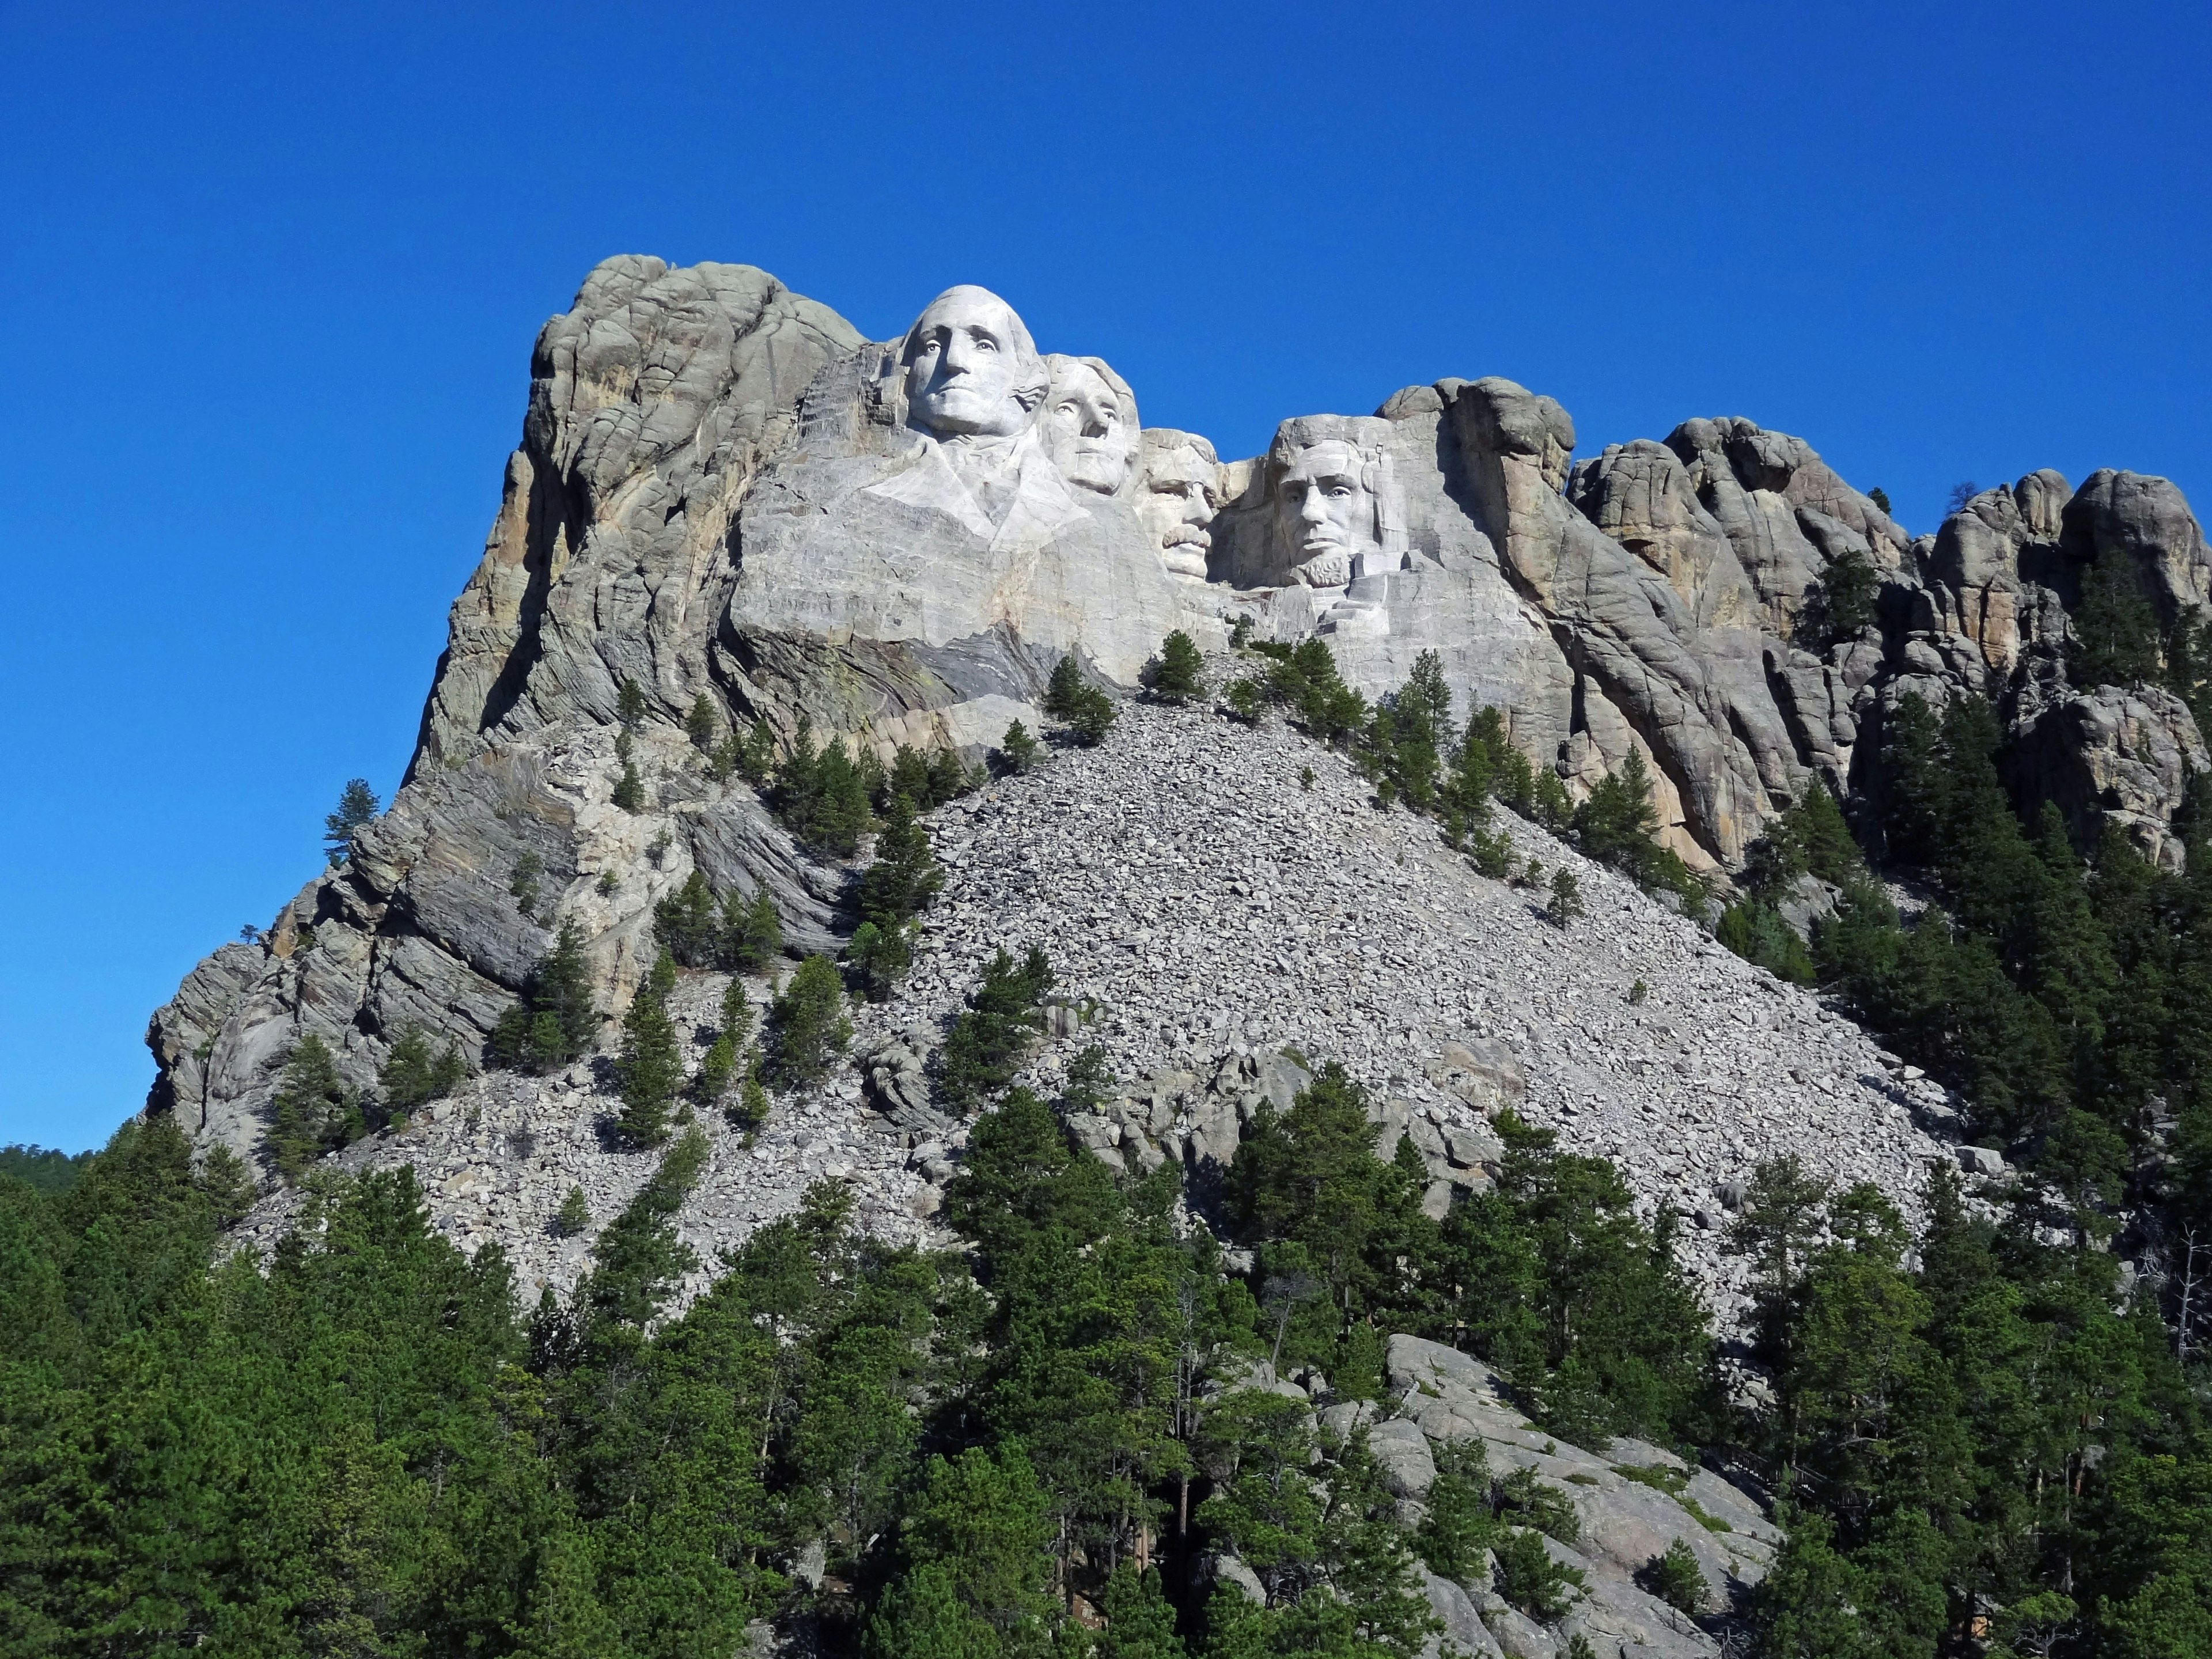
1090, 425
1338, 516
1179, 490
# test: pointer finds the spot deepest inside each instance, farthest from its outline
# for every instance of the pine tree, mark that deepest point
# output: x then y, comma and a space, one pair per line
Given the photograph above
2116, 631
1178, 673
880, 955
1140, 1621
1063, 694
1676, 1579
686, 922
553, 1022
1458, 1527
629, 704
1018, 748
357, 809
574, 1215
701, 724
1004, 1017
312, 1111
1911, 780
949, 779
905, 876
651, 1066
751, 1110
751, 934
1841, 605
808, 1019
822, 796
412, 1076
750, 755
1566, 905
720, 1065
523, 883
629, 792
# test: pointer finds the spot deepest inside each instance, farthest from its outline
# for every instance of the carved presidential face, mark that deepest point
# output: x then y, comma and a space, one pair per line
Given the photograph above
1326, 512
1175, 502
971, 367
1088, 427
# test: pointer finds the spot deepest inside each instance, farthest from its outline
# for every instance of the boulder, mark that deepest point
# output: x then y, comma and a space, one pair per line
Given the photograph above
1401, 1453
1463, 1631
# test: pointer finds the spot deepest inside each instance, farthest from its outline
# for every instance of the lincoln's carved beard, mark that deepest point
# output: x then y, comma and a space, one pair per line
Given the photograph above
971, 371
1085, 429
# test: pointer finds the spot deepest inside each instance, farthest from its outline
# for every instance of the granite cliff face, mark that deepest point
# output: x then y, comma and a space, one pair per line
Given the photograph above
723, 490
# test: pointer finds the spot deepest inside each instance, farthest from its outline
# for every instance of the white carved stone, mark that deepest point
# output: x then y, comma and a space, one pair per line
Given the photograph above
1179, 490
920, 526
1337, 511
1090, 427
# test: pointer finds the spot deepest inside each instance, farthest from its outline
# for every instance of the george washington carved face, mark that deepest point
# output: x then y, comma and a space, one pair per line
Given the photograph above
971, 369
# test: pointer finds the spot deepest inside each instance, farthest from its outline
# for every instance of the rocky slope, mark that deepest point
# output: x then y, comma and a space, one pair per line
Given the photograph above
1204, 912
723, 492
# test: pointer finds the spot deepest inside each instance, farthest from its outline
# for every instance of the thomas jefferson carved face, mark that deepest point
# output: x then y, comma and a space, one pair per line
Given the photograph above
1090, 428
1327, 512
1177, 498
971, 369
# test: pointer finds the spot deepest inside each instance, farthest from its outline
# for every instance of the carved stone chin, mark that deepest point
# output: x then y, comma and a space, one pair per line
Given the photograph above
1090, 424
1179, 490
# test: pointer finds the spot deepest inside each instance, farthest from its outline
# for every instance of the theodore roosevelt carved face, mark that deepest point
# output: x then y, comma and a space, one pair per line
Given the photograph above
1090, 425
971, 369
1178, 498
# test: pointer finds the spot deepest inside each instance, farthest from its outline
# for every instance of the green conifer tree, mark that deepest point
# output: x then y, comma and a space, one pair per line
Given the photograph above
1004, 1017
651, 1066
949, 779
686, 921
357, 809
1063, 694
312, 1111
1178, 674
574, 1215
751, 934
1019, 748
701, 724
629, 792
808, 1020
412, 1075
1566, 903
553, 1022
629, 704
905, 876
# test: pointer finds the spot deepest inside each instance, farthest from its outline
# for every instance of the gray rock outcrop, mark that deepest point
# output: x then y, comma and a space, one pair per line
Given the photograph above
724, 493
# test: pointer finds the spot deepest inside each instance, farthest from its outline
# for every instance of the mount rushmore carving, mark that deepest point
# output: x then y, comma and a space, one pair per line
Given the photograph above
723, 490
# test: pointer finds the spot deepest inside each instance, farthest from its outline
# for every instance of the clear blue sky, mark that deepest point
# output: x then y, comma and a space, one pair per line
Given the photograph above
274, 273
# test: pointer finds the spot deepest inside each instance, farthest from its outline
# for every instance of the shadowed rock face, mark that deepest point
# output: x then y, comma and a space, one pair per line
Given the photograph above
723, 491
